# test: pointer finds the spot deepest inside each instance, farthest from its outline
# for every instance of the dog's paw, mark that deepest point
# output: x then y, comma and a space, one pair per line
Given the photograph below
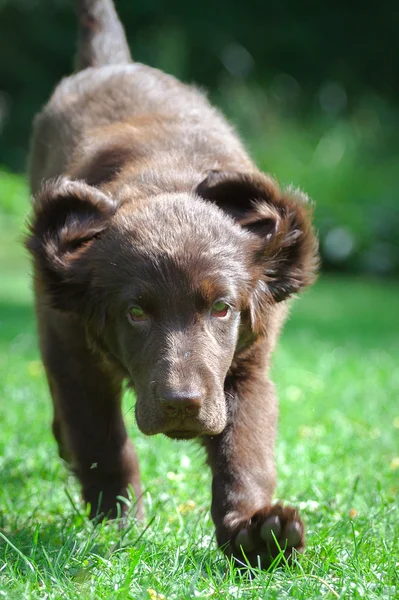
259, 539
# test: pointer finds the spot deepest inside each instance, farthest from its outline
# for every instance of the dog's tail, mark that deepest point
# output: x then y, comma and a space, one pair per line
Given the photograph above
102, 39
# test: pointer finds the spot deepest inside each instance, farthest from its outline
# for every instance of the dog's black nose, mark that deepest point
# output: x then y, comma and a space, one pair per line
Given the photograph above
177, 401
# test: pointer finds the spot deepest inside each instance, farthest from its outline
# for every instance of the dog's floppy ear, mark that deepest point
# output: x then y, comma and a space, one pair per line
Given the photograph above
67, 217
286, 248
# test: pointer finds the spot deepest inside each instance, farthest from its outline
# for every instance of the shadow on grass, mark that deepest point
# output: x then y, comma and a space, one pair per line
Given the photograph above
66, 547
48, 548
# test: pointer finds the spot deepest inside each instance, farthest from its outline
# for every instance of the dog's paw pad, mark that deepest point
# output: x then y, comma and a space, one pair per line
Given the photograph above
260, 539
243, 540
293, 533
270, 529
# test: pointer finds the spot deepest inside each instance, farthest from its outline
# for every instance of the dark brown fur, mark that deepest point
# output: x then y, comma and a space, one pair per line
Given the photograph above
144, 195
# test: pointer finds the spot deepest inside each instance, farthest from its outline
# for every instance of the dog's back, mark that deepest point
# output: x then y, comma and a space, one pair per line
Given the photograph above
115, 111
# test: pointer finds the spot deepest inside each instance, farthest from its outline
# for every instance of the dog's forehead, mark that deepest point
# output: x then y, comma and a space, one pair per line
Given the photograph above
178, 246
184, 227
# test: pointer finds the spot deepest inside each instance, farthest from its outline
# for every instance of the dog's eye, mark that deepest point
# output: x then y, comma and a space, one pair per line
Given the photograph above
136, 314
220, 309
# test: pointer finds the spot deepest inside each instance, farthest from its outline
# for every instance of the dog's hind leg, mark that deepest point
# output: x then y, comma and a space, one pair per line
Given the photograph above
102, 40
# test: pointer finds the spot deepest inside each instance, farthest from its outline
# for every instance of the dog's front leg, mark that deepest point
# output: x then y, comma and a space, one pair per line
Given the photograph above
242, 461
88, 423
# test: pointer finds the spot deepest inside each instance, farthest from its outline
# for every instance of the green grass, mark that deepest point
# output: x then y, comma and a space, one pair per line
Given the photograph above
337, 375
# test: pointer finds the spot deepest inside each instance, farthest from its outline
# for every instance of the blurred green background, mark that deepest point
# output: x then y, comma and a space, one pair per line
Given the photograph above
313, 88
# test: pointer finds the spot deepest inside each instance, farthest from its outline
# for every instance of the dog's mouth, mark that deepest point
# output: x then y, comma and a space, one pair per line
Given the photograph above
181, 434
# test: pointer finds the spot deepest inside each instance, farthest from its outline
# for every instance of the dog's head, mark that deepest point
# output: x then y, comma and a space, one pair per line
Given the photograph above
166, 289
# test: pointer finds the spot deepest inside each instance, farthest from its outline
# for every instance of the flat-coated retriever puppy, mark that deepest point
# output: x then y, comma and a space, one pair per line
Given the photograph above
164, 258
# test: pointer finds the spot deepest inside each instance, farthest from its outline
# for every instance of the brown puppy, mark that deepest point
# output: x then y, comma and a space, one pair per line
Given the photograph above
163, 258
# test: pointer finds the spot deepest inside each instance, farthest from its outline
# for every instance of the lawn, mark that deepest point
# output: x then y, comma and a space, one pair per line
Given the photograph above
337, 373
